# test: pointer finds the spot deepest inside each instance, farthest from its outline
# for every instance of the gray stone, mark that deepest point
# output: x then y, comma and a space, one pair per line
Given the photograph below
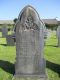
4, 30
29, 45
45, 33
58, 35
10, 40
0, 29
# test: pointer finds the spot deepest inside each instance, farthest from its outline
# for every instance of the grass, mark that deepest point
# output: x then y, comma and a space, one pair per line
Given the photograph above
7, 59
52, 56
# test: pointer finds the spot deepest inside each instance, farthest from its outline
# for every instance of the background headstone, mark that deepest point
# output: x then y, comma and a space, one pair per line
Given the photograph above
4, 30
29, 45
58, 35
10, 40
0, 29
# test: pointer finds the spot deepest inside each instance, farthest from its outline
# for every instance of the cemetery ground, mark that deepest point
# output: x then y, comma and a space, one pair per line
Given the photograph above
51, 54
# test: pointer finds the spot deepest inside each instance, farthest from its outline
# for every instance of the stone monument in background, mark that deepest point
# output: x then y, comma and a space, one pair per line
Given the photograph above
30, 61
58, 35
10, 40
4, 30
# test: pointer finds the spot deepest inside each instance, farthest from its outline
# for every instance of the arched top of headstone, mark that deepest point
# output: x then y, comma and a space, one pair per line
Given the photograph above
29, 10
29, 18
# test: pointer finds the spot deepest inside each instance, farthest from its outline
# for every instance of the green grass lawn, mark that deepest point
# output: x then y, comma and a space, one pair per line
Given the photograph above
51, 54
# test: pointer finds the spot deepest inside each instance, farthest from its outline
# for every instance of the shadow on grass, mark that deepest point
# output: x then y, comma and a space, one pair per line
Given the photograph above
10, 68
7, 45
53, 66
52, 45
4, 44
7, 66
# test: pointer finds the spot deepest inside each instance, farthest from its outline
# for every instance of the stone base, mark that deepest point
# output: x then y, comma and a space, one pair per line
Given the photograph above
30, 77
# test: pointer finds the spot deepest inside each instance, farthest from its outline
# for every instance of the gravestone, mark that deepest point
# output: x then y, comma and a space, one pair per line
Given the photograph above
45, 33
0, 29
30, 61
4, 30
58, 35
10, 40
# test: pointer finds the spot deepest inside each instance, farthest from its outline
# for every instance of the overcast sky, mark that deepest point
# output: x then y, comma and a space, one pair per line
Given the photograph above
10, 9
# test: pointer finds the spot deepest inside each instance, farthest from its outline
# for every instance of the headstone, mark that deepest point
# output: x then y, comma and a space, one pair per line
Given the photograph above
58, 35
4, 30
10, 40
0, 29
45, 33
29, 45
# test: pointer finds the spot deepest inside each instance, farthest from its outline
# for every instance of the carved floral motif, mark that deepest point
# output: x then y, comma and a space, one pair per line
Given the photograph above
29, 23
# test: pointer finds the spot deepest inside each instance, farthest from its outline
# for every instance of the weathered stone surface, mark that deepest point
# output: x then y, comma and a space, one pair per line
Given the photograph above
58, 35
10, 40
29, 78
4, 30
29, 44
58, 31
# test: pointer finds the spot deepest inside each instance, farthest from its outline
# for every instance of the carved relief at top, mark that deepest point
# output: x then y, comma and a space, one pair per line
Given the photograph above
29, 23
